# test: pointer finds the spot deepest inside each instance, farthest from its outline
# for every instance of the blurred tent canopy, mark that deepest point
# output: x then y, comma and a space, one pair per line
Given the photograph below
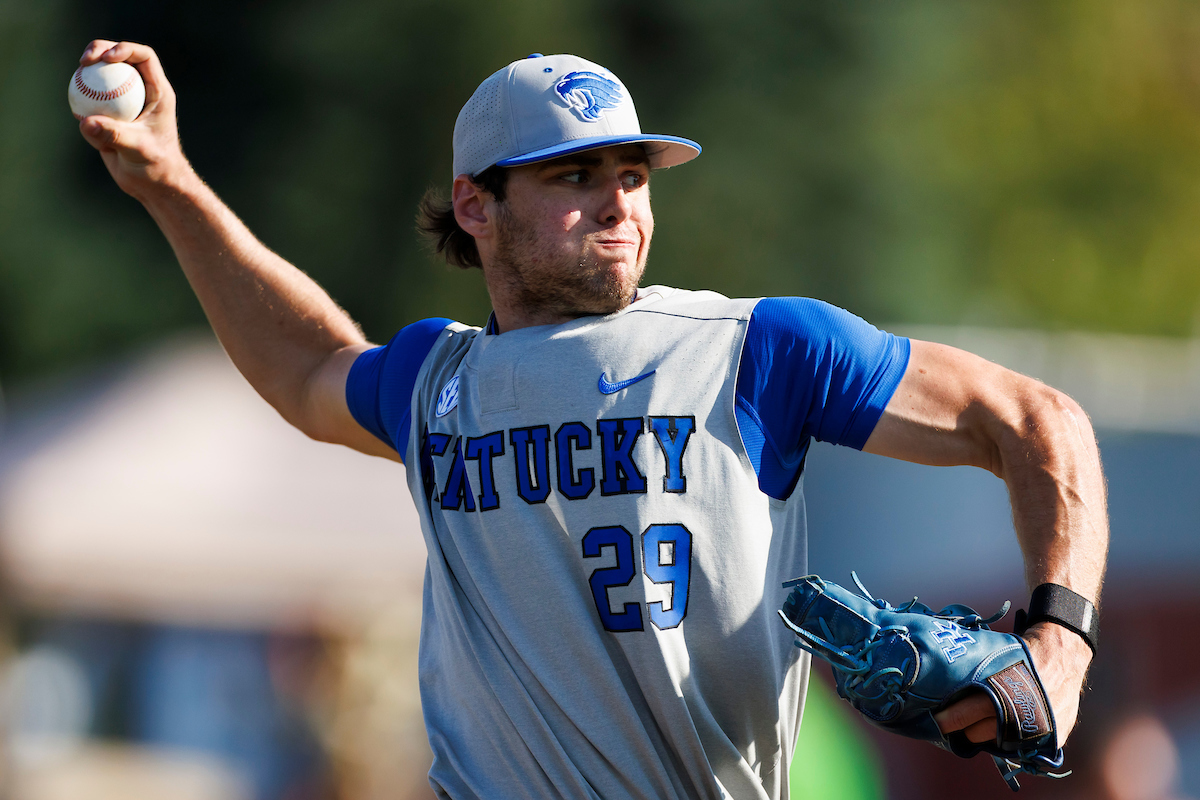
166, 491
1017, 164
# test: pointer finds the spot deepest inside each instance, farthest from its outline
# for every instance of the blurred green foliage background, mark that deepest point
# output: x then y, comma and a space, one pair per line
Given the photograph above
1019, 164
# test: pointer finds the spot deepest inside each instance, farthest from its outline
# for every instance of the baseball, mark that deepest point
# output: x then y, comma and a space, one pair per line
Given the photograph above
110, 90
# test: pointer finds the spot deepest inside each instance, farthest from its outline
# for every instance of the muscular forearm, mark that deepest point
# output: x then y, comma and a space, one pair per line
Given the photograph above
1048, 458
277, 325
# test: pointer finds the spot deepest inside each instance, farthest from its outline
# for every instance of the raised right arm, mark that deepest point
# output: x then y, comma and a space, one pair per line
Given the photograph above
282, 331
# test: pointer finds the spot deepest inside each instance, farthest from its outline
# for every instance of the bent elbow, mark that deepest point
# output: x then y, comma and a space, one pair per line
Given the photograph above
1060, 412
1044, 419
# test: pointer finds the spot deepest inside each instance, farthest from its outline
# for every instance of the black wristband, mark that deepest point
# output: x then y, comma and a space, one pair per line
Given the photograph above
1058, 604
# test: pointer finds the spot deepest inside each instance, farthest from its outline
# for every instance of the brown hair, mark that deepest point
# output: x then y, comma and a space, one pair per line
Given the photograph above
436, 222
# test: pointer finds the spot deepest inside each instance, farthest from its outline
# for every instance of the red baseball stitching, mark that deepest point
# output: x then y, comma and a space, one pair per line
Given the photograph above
92, 94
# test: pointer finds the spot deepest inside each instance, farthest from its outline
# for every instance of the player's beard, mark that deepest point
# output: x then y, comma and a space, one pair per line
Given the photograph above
542, 280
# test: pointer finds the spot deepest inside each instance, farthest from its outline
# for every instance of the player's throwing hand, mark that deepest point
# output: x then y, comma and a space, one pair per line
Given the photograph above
144, 152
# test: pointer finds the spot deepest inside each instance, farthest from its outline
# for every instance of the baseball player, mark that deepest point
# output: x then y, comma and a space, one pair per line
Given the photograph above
609, 475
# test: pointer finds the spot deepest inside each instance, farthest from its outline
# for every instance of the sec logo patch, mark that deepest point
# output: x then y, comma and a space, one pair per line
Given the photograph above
448, 399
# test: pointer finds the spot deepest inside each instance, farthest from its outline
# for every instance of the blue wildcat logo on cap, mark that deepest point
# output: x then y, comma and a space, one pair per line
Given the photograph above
590, 94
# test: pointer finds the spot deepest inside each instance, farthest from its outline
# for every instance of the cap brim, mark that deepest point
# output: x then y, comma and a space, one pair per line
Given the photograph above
664, 151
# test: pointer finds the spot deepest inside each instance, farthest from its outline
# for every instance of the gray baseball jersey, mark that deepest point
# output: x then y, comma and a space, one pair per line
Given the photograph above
604, 567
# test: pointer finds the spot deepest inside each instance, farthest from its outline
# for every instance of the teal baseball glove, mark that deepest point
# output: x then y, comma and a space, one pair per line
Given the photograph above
898, 666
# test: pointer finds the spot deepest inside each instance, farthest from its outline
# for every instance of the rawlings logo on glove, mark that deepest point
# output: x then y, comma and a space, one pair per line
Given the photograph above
898, 666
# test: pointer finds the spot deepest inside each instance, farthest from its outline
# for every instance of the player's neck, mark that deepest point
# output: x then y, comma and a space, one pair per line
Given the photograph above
512, 316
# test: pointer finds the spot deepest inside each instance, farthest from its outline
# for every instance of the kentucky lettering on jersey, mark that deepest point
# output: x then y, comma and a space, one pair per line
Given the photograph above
444, 460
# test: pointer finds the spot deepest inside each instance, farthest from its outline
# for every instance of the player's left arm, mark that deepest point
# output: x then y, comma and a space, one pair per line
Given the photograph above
954, 408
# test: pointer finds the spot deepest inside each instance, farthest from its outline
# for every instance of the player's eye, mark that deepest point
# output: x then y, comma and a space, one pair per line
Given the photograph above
578, 176
633, 180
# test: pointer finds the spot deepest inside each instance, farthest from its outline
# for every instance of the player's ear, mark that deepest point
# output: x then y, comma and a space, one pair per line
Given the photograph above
470, 207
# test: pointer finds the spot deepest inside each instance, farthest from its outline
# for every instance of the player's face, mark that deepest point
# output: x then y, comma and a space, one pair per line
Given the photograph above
573, 234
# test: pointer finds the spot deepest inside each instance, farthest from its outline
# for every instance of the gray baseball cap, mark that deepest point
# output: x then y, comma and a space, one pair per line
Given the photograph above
543, 107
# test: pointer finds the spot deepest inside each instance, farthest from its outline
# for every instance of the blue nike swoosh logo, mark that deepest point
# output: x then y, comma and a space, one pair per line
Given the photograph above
612, 388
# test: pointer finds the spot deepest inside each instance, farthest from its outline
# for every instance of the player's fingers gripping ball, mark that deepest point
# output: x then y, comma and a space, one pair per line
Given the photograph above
107, 89
898, 666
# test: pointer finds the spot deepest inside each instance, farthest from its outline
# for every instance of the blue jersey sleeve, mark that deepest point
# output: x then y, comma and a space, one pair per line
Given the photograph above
381, 381
810, 370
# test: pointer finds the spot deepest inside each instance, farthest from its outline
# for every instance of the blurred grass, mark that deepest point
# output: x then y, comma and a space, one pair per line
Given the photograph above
833, 759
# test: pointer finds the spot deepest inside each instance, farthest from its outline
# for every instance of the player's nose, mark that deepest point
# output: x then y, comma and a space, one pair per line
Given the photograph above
616, 206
